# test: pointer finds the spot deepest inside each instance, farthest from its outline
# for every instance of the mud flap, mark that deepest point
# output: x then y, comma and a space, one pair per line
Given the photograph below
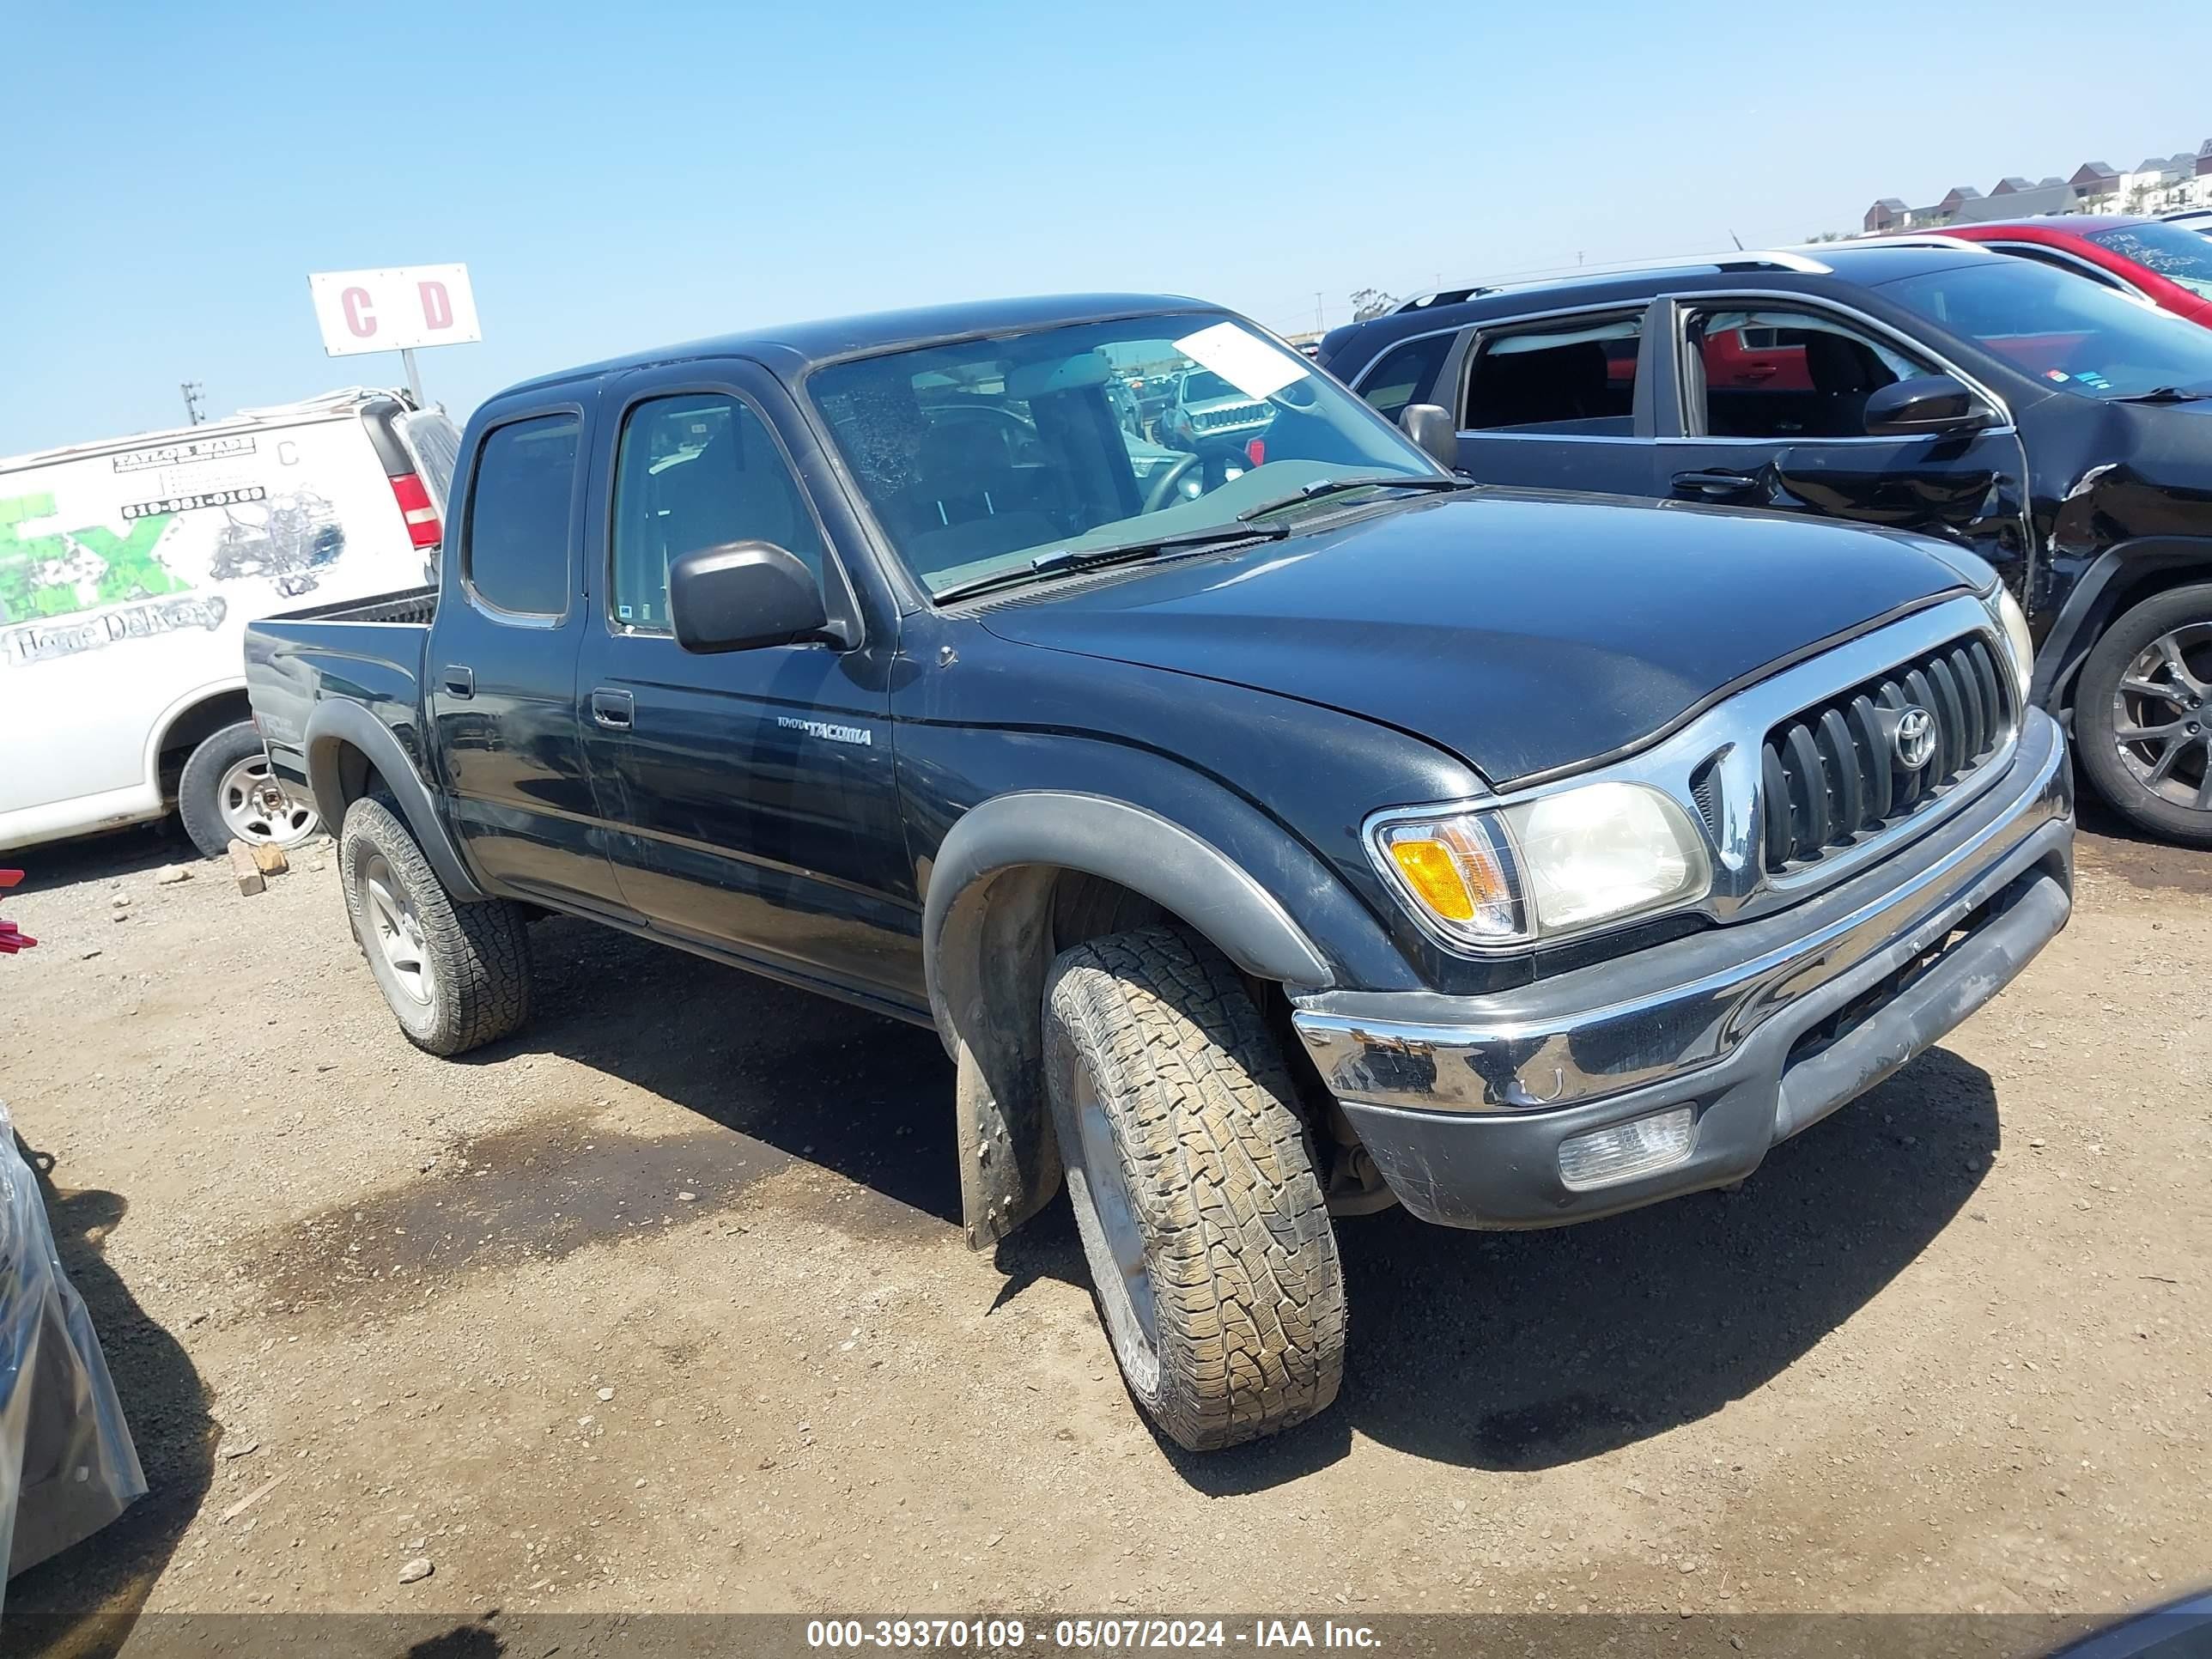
1009, 1164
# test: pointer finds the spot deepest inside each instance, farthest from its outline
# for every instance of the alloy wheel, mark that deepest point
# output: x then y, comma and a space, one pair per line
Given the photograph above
394, 929
2162, 716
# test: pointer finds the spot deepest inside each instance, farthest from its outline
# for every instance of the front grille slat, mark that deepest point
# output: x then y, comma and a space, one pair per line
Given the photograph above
1808, 788
1881, 789
1831, 776
1979, 726
1844, 767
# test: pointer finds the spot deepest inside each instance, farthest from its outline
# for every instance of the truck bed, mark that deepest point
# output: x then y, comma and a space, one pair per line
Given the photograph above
407, 604
365, 651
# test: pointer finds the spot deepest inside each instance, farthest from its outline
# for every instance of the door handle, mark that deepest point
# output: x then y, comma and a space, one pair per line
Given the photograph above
612, 710
1716, 485
1762, 371
460, 682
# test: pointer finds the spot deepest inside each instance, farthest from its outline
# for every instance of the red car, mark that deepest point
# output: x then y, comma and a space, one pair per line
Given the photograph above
2168, 265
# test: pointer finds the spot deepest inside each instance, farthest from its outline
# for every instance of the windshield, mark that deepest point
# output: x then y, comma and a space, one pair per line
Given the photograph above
2062, 328
2179, 255
978, 457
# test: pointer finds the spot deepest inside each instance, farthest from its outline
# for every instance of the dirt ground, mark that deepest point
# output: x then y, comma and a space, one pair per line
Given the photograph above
663, 1306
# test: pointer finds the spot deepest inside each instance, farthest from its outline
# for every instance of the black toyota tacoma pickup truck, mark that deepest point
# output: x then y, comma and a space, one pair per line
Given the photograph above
1272, 827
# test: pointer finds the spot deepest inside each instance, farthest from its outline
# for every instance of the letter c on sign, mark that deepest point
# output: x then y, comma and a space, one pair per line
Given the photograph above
360, 317
437, 309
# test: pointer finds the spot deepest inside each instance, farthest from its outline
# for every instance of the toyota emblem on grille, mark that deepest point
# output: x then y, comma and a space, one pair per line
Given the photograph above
1914, 738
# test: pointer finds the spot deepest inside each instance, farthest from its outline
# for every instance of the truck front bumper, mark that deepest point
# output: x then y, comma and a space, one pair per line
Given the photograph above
1677, 1067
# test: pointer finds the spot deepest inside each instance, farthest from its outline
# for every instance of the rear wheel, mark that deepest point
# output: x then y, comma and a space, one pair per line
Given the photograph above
1208, 1239
455, 976
2143, 714
227, 793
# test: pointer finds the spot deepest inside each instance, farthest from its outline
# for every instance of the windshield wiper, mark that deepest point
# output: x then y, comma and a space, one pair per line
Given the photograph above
1324, 487
2165, 394
1062, 560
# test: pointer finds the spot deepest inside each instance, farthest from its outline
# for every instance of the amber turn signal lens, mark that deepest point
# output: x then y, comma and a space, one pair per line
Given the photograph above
1431, 872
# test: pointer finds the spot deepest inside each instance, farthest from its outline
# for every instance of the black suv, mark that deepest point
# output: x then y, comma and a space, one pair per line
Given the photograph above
2061, 431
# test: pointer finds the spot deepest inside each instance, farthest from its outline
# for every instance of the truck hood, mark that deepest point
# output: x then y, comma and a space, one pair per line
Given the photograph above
1523, 632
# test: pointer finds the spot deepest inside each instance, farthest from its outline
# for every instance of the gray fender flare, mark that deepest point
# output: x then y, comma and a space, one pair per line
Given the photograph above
986, 931
334, 724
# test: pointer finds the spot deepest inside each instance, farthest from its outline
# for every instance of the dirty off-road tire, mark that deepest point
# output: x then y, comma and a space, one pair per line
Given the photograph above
1211, 1253
227, 794
456, 976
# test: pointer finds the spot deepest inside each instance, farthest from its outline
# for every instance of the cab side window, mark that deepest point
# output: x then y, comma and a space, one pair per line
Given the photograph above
1576, 376
516, 546
1774, 373
693, 471
1403, 373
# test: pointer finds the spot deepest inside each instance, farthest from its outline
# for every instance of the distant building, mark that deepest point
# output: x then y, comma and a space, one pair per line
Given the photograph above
2161, 185
1888, 214
2095, 179
2026, 202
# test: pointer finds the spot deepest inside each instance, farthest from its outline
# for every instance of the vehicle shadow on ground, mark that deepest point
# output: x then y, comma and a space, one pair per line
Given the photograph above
95, 858
809, 1078
85, 1601
2144, 861
1526, 1351
1498, 1351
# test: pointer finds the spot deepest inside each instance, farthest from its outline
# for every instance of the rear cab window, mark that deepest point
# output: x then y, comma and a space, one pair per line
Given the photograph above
1570, 376
516, 555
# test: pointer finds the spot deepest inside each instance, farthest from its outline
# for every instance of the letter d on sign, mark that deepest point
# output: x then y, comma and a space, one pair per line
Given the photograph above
360, 315
437, 308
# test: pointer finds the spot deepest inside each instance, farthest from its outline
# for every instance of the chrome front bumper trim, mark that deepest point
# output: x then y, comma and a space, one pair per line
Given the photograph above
1674, 1008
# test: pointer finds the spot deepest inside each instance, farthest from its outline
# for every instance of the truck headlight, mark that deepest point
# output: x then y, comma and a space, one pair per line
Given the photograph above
2005, 611
1557, 864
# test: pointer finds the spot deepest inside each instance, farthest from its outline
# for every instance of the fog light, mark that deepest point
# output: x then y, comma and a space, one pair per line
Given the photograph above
1627, 1149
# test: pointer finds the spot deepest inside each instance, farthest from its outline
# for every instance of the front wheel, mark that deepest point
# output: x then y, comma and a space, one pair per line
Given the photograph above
1211, 1253
455, 976
2142, 715
227, 793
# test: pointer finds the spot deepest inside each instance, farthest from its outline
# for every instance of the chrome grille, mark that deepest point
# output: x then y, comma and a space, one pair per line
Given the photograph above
1831, 774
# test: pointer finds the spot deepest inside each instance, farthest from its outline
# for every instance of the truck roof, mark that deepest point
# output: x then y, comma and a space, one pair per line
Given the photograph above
793, 348
329, 406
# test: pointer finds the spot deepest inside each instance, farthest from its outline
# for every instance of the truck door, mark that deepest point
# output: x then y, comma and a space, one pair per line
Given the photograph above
749, 795
501, 664
1796, 440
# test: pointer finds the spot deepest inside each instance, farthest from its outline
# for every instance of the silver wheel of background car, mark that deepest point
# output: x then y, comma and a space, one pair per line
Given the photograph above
255, 808
395, 932
2162, 716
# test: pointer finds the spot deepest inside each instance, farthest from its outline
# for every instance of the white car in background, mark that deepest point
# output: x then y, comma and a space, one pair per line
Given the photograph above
128, 572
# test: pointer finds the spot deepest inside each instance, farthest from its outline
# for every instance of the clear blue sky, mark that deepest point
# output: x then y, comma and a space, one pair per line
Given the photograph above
623, 175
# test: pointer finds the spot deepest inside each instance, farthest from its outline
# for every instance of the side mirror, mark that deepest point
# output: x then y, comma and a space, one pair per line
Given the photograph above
1933, 405
741, 596
1430, 426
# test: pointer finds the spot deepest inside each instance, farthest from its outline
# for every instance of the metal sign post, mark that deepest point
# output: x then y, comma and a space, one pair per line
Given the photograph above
414, 378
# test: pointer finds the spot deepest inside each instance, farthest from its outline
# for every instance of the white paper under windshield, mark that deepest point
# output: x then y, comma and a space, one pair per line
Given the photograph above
1251, 365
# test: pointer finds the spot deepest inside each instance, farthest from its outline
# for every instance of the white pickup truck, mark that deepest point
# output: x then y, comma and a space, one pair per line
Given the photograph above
129, 569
